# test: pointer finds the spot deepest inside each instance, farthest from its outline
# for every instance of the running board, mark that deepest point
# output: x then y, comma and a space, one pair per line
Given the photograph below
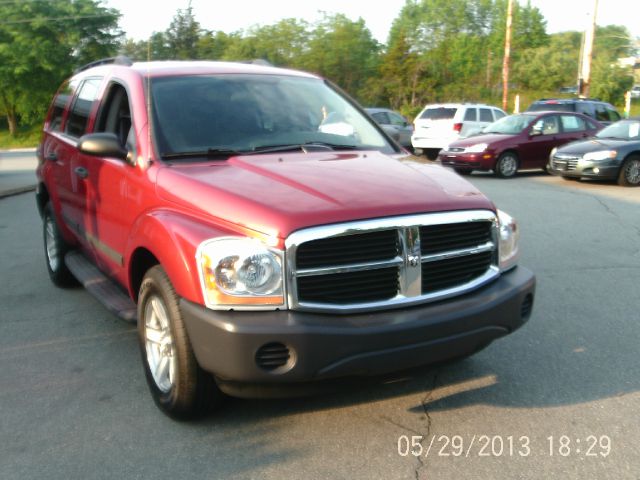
98, 285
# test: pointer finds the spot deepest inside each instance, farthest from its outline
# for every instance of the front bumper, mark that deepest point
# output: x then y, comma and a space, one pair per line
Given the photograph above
478, 161
580, 168
328, 346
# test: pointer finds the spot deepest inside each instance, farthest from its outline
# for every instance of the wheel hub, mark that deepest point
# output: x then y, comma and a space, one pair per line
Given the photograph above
159, 344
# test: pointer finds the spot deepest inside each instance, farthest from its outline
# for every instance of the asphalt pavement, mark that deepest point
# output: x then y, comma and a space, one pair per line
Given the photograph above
557, 399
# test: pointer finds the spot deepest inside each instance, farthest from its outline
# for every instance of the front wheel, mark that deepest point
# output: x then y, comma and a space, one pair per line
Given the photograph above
55, 248
629, 175
179, 387
507, 165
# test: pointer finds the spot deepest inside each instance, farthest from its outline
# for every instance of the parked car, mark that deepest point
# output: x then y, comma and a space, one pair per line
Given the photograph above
259, 252
614, 153
436, 126
635, 91
521, 141
396, 126
603, 112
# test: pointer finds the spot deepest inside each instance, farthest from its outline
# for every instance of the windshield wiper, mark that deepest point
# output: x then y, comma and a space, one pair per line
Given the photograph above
210, 154
305, 147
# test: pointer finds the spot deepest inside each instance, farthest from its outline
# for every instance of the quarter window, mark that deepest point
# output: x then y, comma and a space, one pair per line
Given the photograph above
471, 115
79, 116
59, 105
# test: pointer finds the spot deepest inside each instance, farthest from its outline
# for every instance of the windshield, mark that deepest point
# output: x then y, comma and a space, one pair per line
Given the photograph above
510, 125
236, 113
624, 130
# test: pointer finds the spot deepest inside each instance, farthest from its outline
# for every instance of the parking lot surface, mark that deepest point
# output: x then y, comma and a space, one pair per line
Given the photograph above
557, 399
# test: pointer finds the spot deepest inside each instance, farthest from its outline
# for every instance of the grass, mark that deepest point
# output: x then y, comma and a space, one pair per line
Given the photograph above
27, 137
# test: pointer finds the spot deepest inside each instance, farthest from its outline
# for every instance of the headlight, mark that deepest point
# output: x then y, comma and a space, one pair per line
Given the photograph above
477, 148
509, 234
240, 272
600, 155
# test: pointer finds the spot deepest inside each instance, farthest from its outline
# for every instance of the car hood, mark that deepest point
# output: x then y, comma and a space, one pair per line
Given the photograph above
277, 194
488, 138
581, 147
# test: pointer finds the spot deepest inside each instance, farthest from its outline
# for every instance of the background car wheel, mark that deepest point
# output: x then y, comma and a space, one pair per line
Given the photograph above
178, 385
55, 248
629, 175
507, 165
462, 171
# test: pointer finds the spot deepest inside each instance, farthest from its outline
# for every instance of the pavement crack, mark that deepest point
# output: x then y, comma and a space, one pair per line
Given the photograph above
427, 434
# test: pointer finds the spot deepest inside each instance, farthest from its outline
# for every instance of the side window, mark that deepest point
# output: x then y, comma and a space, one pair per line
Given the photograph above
396, 119
79, 115
586, 108
471, 115
548, 125
613, 115
498, 114
571, 123
601, 113
381, 118
59, 104
115, 115
485, 115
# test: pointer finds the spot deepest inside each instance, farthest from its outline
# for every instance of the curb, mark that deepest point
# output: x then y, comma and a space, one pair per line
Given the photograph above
18, 150
17, 191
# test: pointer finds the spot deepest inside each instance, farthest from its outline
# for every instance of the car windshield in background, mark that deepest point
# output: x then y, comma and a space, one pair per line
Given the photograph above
226, 114
510, 125
551, 106
440, 113
623, 130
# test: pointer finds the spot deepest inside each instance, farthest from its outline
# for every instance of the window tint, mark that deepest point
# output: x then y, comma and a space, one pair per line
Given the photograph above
586, 108
438, 113
115, 114
601, 113
547, 125
79, 116
471, 115
396, 119
381, 118
485, 115
613, 115
498, 114
59, 104
551, 106
571, 123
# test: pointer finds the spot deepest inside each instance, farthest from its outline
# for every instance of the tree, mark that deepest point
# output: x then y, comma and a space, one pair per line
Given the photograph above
183, 34
41, 43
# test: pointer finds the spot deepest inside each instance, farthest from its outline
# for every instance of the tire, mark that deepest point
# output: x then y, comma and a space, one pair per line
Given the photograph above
506, 165
629, 175
462, 171
55, 248
179, 387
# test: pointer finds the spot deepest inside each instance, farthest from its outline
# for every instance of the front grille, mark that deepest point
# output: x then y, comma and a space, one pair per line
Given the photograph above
441, 238
350, 287
450, 272
565, 163
344, 250
388, 262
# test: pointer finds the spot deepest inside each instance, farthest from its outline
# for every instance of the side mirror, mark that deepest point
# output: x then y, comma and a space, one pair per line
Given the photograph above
103, 145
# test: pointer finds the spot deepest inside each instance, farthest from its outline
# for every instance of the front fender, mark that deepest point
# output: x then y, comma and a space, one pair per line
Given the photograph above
172, 238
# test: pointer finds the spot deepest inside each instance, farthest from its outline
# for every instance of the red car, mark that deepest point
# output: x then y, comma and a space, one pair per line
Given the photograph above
264, 232
522, 141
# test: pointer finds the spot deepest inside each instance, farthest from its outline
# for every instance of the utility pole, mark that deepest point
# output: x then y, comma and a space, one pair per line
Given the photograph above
587, 52
507, 57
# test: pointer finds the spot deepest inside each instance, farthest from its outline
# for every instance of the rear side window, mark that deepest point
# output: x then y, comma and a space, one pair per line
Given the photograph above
79, 115
59, 104
485, 115
471, 115
587, 109
438, 113
571, 123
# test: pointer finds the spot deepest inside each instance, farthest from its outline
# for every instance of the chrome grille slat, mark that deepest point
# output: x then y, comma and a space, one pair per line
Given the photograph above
425, 258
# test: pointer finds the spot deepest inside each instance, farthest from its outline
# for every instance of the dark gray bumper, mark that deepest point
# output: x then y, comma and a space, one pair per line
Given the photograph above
325, 346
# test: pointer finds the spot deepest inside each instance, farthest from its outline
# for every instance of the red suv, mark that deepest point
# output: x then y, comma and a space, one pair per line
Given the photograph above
264, 232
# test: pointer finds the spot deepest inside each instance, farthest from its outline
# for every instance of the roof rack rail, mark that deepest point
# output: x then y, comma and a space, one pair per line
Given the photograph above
119, 60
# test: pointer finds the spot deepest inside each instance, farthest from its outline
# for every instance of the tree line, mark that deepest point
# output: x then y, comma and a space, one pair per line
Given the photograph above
437, 50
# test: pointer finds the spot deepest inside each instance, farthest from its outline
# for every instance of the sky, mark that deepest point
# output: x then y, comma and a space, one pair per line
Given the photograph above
143, 17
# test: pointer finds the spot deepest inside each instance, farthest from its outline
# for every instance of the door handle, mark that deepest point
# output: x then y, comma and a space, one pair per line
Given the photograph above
53, 156
81, 172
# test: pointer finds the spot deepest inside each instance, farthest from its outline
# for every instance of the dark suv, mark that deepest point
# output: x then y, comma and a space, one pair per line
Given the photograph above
604, 112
